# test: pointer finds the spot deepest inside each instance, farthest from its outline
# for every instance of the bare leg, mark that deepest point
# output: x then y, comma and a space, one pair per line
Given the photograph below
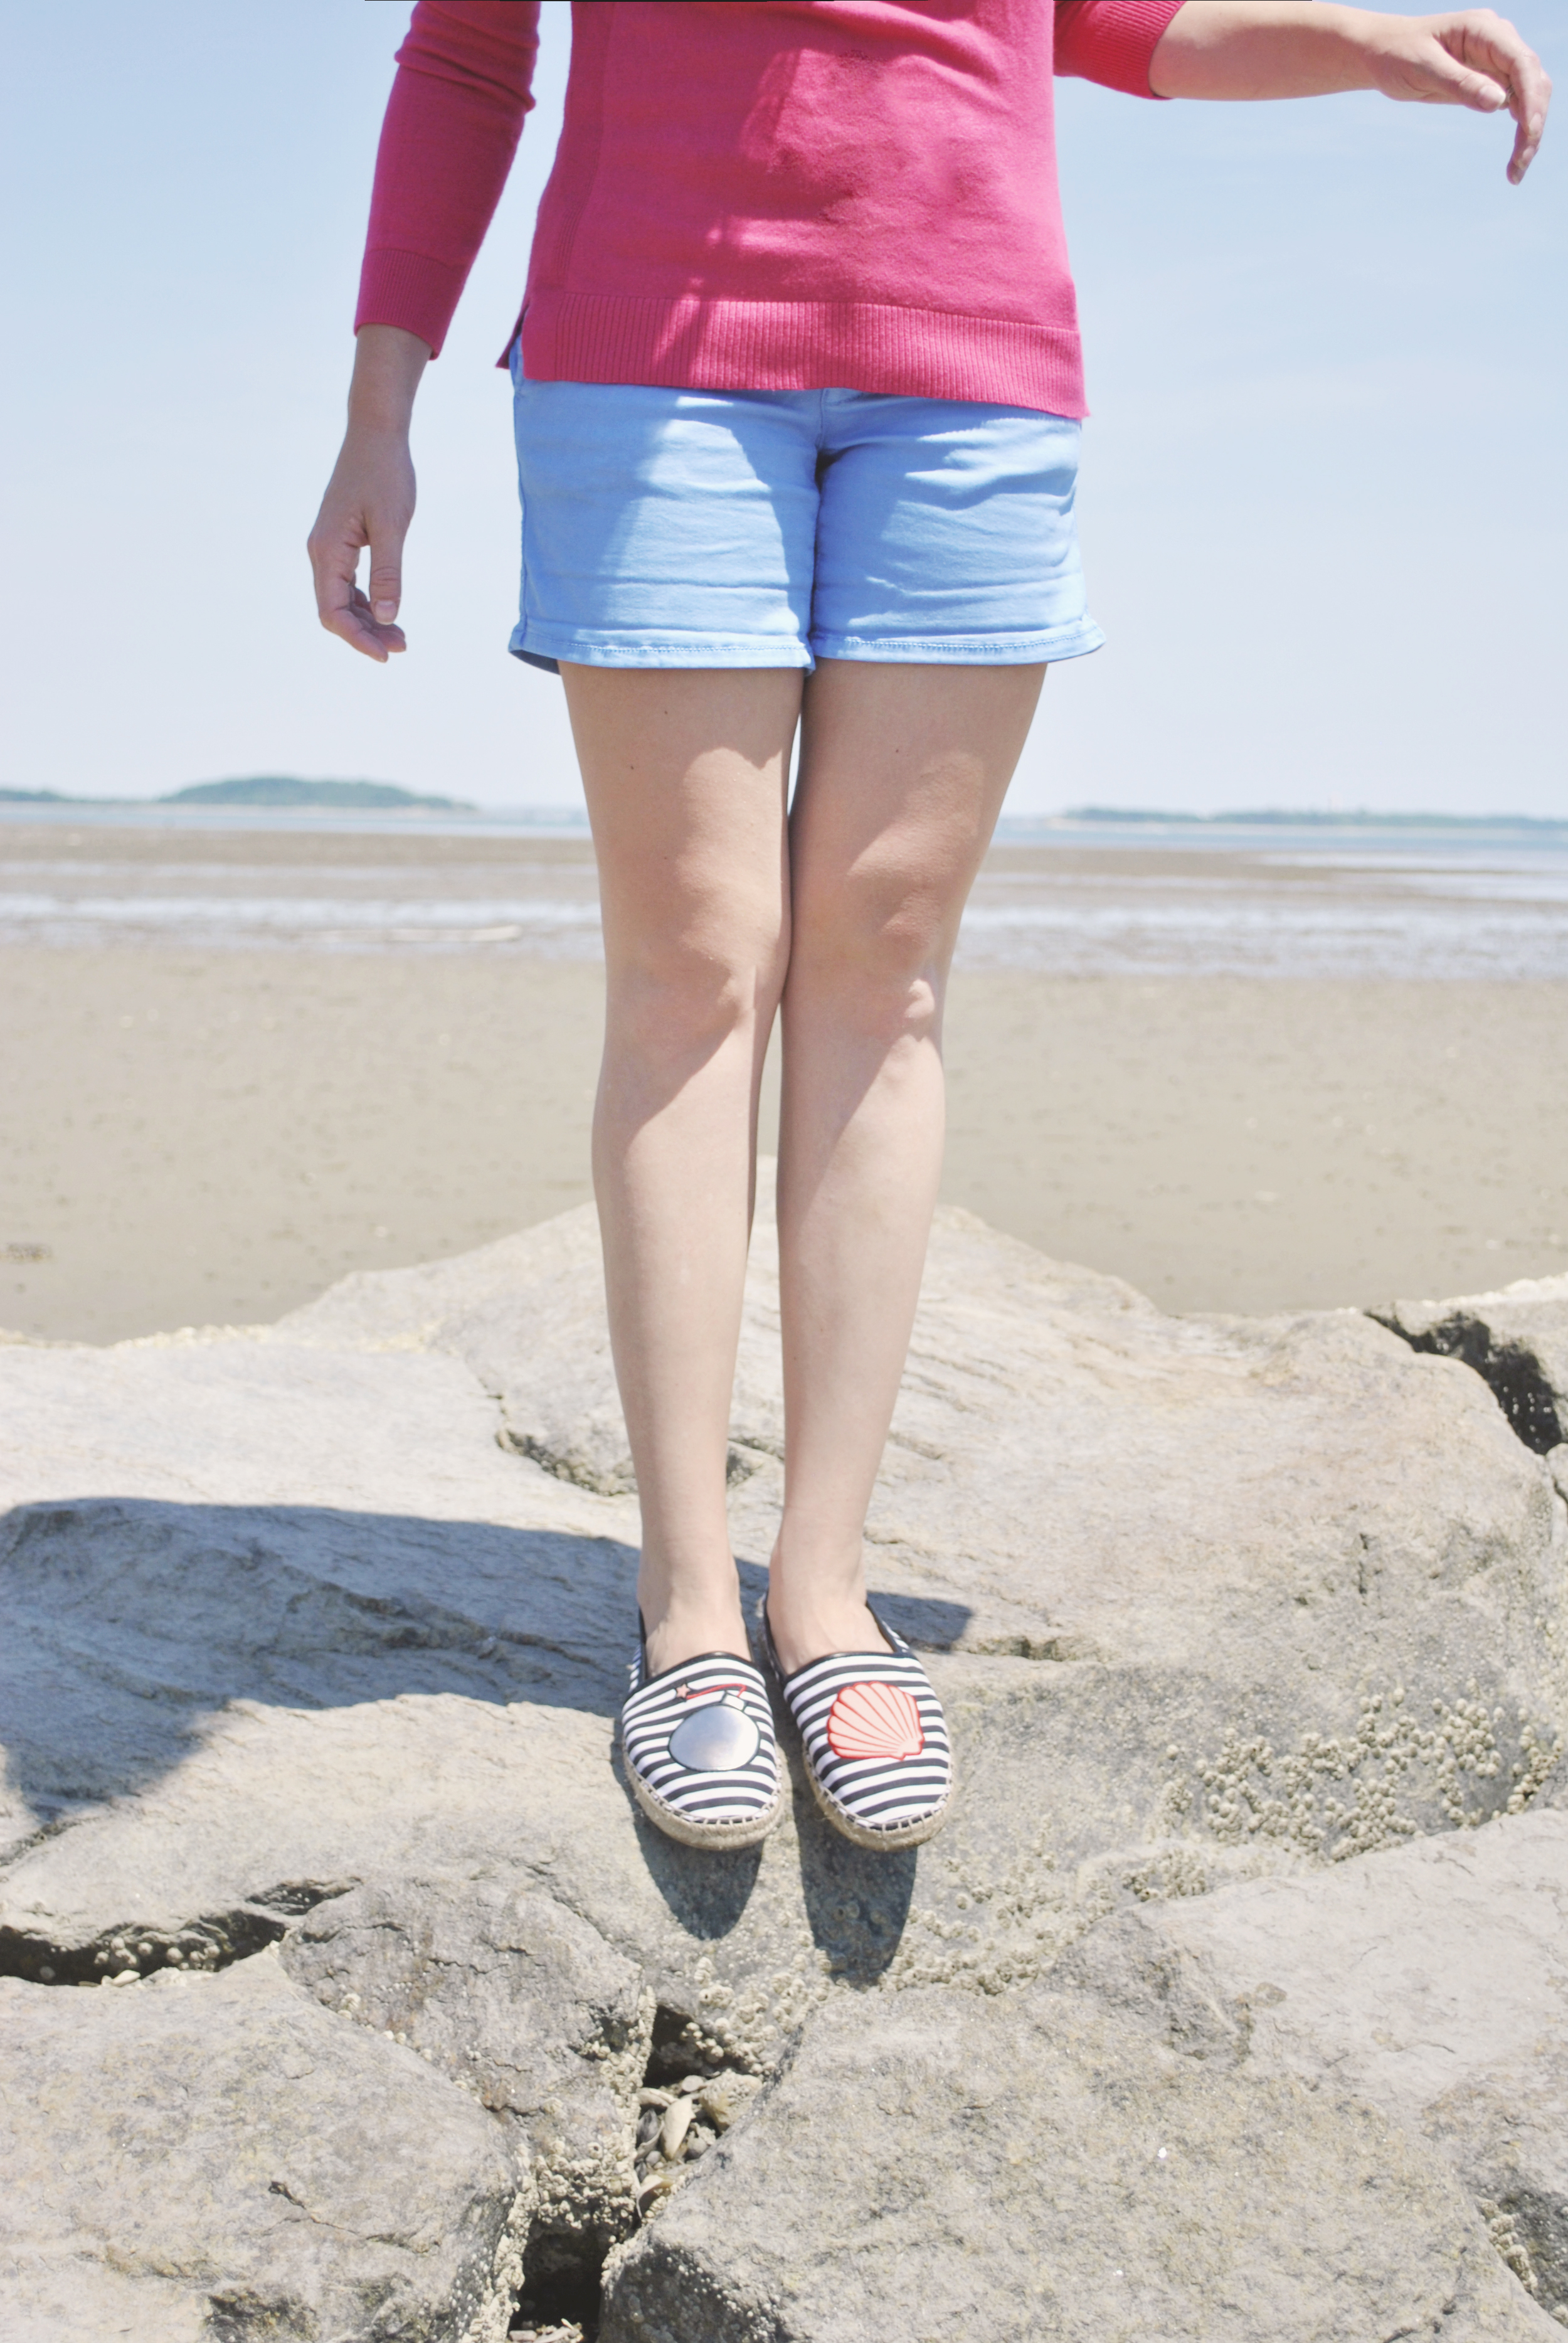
686, 772
903, 772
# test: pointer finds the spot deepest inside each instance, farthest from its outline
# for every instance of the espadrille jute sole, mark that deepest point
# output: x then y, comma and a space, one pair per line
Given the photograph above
909, 1835
717, 1836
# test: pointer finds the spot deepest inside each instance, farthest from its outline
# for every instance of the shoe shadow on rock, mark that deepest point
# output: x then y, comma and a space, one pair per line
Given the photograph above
857, 1899
706, 1889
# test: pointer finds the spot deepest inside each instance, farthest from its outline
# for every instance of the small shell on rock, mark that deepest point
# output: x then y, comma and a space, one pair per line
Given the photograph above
648, 2097
722, 2099
658, 2184
692, 2084
676, 2124
648, 2124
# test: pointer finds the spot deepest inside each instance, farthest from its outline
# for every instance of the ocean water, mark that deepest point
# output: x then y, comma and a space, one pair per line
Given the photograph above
1068, 899
1361, 908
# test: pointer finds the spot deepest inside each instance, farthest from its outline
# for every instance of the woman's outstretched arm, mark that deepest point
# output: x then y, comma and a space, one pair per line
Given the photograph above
369, 498
463, 86
1304, 48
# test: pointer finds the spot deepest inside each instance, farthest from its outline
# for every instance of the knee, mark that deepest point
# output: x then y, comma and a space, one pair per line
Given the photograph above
874, 948
682, 992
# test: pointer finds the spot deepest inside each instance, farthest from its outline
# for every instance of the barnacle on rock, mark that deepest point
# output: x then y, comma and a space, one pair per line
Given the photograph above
1512, 2247
1178, 1872
1249, 1790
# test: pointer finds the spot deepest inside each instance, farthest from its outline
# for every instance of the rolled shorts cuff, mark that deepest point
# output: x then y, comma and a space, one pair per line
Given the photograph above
546, 646
1026, 649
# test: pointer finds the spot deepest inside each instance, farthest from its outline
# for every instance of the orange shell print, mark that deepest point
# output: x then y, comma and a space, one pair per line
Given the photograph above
875, 1720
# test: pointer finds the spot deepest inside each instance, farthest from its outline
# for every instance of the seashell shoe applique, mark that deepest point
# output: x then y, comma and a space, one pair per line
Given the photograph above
699, 1749
874, 1740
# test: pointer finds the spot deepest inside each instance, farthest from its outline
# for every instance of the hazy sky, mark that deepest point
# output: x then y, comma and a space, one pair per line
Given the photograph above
1324, 494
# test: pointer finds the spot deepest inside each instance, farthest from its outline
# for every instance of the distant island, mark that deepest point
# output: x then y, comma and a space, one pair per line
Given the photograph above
268, 790
284, 790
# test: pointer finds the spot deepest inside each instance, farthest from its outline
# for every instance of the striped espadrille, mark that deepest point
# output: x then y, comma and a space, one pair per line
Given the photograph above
700, 1751
874, 1740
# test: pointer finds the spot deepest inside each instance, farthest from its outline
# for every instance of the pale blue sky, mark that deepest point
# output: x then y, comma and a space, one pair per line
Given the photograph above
1324, 494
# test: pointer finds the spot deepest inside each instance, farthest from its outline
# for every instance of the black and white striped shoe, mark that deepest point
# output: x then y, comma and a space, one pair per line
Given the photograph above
700, 1751
874, 1740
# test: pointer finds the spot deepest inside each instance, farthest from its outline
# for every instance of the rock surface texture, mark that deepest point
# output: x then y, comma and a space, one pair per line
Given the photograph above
228, 2159
1048, 2167
1434, 1975
1254, 1638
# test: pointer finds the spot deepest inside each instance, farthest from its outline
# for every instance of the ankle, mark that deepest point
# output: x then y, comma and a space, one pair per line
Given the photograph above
681, 1622
807, 1621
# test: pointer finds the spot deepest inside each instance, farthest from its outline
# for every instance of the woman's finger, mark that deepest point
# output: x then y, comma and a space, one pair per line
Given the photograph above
1490, 51
345, 612
363, 621
385, 575
1529, 98
367, 633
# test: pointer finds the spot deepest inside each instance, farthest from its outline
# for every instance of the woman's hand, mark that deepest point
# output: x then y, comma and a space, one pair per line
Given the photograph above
369, 498
1298, 48
1473, 58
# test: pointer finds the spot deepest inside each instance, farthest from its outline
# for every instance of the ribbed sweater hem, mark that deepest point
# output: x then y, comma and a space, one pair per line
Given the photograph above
694, 343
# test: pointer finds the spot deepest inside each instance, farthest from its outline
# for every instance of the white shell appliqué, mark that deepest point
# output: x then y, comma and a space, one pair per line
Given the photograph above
717, 1737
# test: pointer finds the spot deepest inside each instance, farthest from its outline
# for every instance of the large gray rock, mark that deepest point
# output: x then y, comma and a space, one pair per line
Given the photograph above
1430, 1980
524, 2006
316, 1634
1215, 1597
218, 2157
938, 2165
1517, 1340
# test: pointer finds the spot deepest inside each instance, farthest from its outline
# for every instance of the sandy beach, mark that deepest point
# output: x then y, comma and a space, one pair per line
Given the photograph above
210, 1132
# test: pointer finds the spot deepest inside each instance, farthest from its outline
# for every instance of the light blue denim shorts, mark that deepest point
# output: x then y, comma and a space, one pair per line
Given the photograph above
772, 529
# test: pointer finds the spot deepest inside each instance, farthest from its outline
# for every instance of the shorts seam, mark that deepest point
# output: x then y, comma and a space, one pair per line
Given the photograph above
1037, 642
657, 651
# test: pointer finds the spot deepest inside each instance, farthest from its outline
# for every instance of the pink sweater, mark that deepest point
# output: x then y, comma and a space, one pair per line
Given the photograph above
760, 195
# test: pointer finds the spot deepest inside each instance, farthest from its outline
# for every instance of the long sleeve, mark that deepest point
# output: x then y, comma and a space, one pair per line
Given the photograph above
1112, 41
464, 84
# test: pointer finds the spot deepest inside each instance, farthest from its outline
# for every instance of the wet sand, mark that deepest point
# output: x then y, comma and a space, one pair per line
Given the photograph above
211, 1136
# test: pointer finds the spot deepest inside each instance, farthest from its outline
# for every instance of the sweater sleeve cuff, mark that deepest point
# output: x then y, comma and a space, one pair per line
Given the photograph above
1112, 42
411, 290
